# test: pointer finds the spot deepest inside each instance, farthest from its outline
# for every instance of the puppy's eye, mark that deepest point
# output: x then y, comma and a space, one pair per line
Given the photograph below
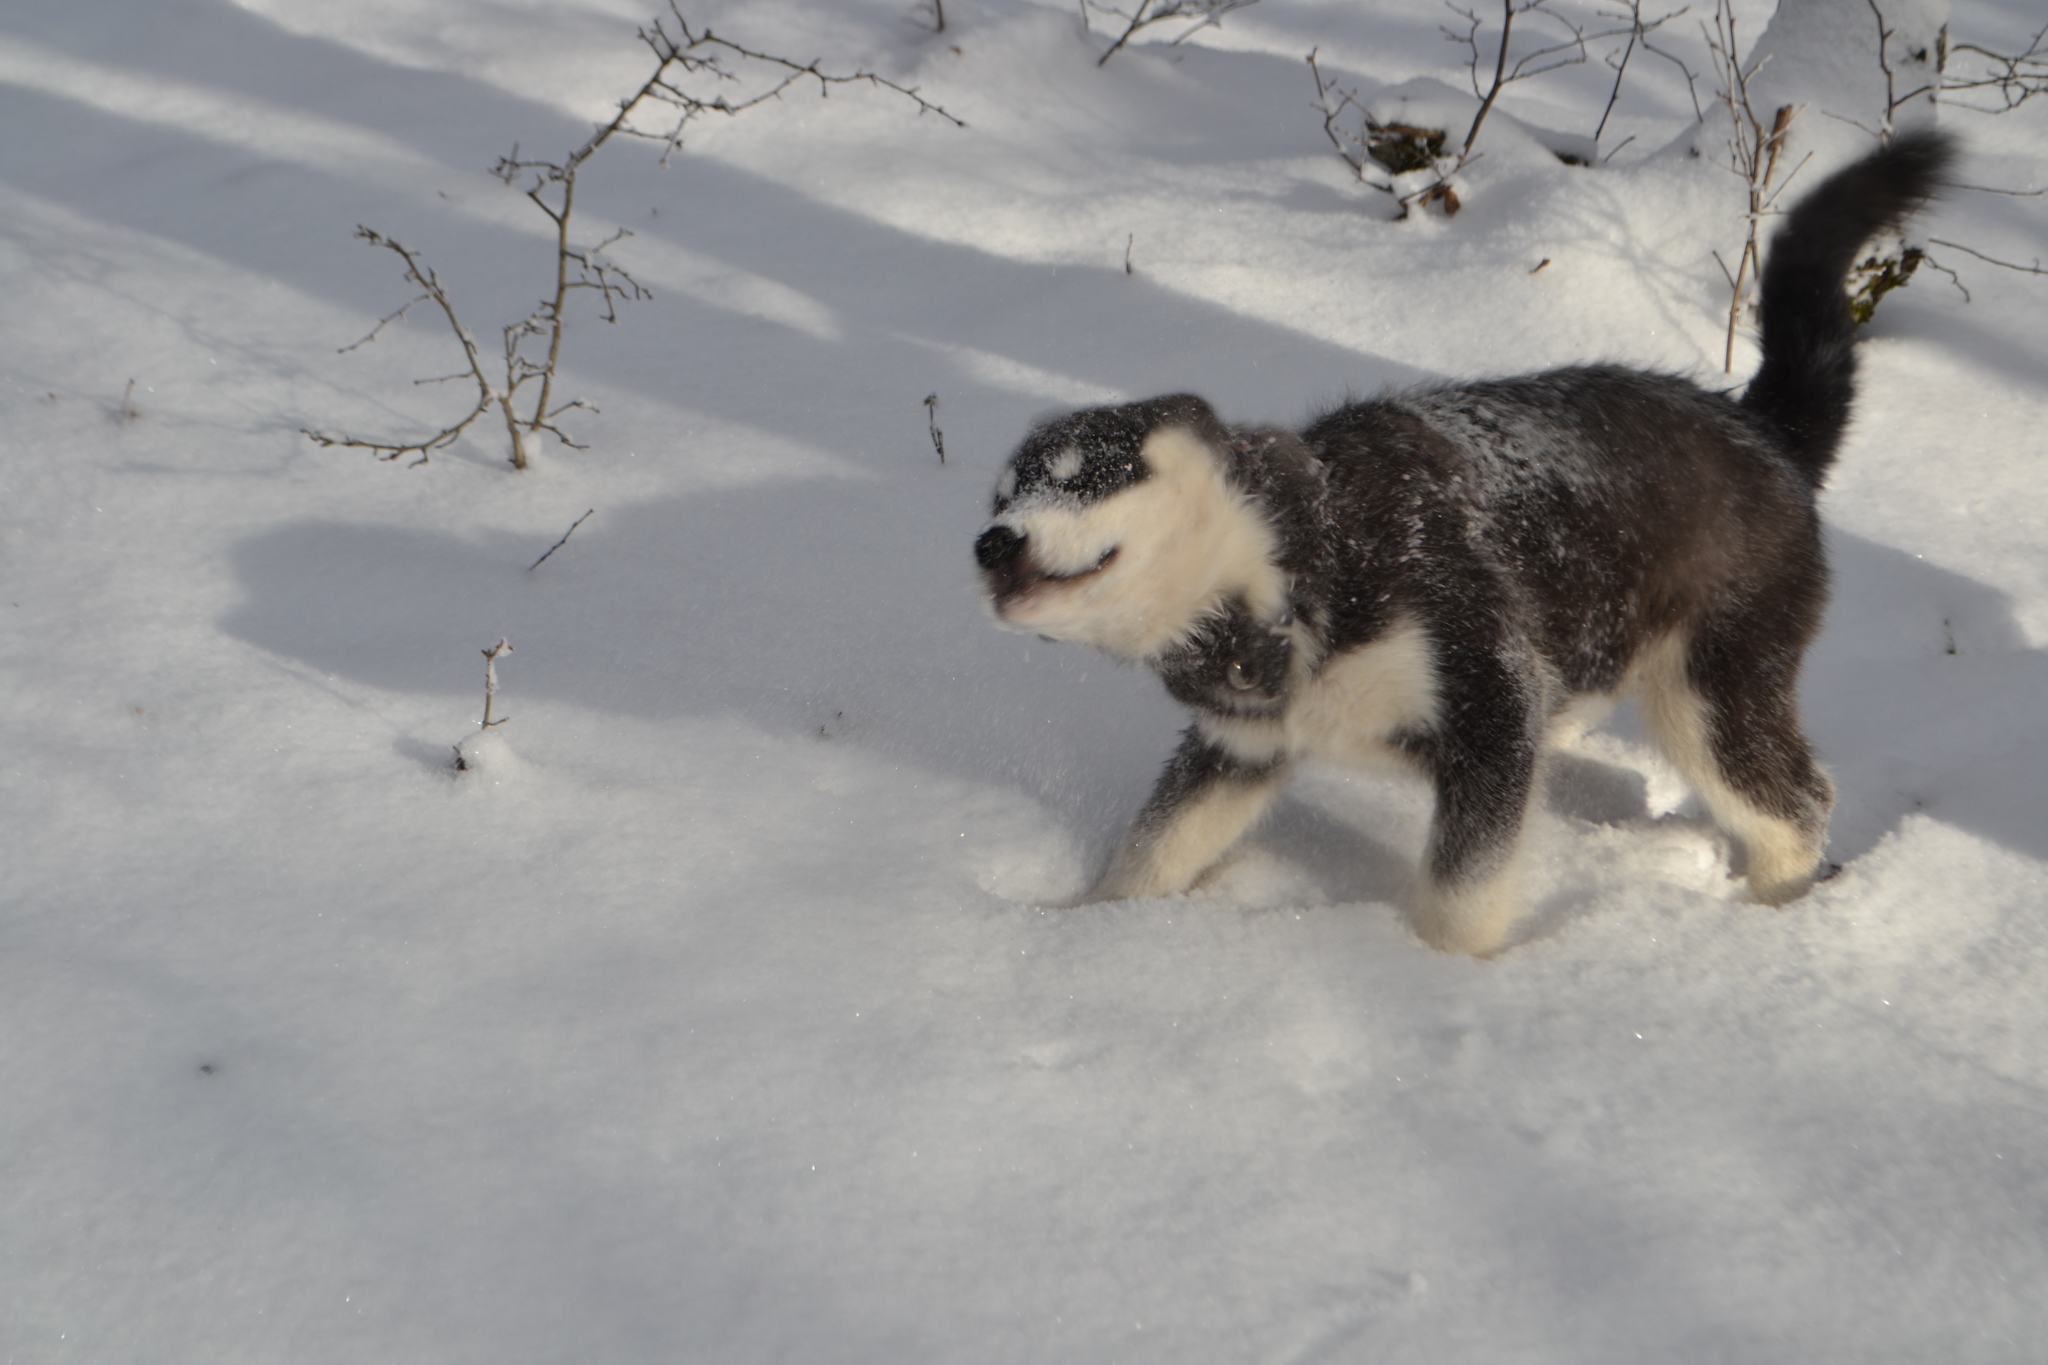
1238, 678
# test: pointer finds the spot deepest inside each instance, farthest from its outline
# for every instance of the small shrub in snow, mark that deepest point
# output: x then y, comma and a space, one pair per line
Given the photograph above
1416, 164
1381, 154
694, 71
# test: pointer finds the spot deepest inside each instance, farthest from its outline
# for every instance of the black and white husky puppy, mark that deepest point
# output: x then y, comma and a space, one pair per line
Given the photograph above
1433, 576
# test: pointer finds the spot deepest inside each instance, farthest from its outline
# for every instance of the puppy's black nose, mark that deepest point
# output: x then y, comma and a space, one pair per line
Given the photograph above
997, 548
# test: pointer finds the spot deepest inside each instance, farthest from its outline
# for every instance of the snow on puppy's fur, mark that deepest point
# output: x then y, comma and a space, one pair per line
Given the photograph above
1433, 577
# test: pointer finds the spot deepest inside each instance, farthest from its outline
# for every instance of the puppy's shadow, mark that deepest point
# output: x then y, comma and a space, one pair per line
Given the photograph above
1582, 788
1343, 863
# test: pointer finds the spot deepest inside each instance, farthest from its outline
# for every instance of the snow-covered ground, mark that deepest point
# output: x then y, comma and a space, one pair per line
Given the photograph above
712, 1015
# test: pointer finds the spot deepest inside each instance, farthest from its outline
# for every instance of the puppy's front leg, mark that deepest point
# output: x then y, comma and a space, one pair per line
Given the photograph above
1205, 799
1483, 762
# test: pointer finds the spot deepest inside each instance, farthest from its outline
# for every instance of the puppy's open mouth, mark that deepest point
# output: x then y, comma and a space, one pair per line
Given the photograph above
1013, 576
1108, 558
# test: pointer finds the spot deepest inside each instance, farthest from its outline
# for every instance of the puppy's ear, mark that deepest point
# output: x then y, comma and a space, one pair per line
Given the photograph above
1185, 410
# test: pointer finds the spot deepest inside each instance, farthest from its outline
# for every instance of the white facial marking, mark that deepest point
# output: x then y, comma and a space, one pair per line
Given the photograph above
1006, 486
1067, 465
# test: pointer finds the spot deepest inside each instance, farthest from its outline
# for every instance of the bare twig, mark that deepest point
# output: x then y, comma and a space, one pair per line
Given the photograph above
931, 412
1927, 259
563, 541
2034, 269
1893, 100
2015, 78
1201, 13
1638, 35
1568, 51
690, 79
1993, 189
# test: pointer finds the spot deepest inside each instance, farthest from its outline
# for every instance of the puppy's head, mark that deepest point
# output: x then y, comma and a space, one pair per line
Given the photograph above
1121, 528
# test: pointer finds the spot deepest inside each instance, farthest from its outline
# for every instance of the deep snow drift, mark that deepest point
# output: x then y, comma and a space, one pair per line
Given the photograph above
711, 1015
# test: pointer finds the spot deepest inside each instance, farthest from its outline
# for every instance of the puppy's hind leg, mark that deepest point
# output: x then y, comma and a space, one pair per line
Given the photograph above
1722, 707
1204, 800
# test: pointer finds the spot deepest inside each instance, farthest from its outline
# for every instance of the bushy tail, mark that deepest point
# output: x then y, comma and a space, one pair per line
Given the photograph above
1808, 377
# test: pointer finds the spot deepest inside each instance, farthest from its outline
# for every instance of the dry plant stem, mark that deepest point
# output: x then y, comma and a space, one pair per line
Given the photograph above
1750, 263
1753, 157
931, 412
491, 657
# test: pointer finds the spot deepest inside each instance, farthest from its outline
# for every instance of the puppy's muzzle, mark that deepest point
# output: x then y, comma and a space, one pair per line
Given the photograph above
1009, 570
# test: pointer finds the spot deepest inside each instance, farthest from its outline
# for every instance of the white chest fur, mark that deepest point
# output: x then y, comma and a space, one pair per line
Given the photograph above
1360, 699
1349, 711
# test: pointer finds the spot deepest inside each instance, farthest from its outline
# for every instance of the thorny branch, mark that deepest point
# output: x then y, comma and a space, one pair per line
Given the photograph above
563, 541
699, 52
487, 393
680, 55
1203, 13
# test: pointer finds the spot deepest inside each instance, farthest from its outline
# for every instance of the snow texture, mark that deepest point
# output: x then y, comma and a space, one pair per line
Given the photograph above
711, 1015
